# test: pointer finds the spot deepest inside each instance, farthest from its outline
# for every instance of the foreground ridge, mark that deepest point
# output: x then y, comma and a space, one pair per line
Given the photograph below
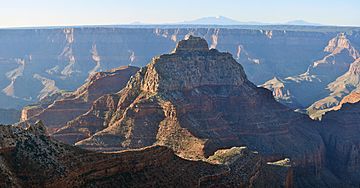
29, 158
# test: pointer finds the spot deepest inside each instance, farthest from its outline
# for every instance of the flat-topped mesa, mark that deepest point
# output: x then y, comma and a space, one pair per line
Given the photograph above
192, 65
192, 44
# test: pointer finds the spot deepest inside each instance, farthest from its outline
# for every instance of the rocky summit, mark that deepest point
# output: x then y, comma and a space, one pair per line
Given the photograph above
204, 96
196, 101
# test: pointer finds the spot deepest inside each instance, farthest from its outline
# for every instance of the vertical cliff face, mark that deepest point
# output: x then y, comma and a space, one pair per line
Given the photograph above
340, 134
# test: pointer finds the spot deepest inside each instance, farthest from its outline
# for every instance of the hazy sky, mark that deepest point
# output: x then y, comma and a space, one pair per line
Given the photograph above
15, 13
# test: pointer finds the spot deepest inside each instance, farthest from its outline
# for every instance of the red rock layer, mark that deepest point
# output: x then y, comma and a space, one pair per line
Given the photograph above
198, 101
57, 114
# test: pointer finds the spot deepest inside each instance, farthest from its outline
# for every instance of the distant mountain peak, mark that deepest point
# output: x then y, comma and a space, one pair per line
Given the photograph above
302, 22
222, 20
216, 20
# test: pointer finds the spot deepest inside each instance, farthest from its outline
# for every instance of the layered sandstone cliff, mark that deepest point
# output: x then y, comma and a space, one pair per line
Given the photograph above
56, 114
197, 101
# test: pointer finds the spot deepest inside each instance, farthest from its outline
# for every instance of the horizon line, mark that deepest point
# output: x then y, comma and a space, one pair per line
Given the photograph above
167, 24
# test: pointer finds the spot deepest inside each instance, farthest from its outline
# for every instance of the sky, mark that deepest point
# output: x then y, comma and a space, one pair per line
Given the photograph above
25, 13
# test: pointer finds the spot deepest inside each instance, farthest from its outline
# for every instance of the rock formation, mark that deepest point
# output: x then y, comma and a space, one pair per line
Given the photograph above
240, 158
281, 93
40, 61
197, 101
58, 112
28, 158
344, 89
326, 81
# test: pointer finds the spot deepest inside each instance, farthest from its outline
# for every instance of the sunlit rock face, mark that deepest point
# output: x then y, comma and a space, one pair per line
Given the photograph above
197, 101
39, 62
281, 93
56, 113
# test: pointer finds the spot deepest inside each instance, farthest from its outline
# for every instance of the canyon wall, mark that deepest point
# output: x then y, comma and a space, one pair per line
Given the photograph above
35, 63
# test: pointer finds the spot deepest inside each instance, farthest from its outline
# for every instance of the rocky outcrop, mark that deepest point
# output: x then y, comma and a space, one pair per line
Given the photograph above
58, 113
32, 110
28, 158
281, 93
352, 98
199, 101
257, 169
87, 124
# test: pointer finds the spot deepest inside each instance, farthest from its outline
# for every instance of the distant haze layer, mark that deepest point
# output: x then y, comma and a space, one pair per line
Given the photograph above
22, 13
